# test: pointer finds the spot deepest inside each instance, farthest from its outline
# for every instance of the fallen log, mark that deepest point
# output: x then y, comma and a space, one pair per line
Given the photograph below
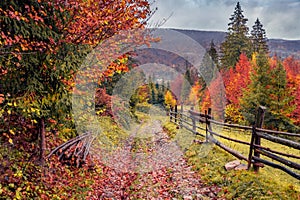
74, 151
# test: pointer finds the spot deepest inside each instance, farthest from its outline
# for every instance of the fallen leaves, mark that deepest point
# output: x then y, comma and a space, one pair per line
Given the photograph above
1, 98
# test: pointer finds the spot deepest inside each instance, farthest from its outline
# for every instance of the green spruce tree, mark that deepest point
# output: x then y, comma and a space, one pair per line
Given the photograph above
280, 100
186, 86
258, 38
268, 88
258, 92
208, 69
212, 52
151, 85
236, 40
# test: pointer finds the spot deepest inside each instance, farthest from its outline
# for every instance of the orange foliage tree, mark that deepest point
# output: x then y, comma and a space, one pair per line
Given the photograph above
42, 44
205, 102
236, 81
292, 67
214, 97
195, 93
170, 100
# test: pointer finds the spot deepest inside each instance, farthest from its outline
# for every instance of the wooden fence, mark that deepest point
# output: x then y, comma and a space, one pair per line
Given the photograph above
201, 124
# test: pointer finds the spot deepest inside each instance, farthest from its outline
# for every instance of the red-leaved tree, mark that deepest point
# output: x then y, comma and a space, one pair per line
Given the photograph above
292, 67
236, 80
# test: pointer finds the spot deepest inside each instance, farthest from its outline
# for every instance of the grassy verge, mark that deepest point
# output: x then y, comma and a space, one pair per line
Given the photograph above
277, 175
209, 161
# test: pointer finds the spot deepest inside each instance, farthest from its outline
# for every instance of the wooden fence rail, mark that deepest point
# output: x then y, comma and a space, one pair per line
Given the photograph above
201, 124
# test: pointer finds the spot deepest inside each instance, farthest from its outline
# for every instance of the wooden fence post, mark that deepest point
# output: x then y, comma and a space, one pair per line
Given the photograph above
258, 124
171, 110
253, 135
209, 117
175, 114
206, 126
193, 120
255, 139
181, 115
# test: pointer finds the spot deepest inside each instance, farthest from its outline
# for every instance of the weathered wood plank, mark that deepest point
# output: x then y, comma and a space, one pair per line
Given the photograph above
290, 143
229, 150
228, 138
290, 172
230, 125
277, 152
278, 132
279, 159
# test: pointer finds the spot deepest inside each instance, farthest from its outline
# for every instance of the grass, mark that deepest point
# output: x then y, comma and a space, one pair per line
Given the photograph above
276, 174
209, 161
206, 159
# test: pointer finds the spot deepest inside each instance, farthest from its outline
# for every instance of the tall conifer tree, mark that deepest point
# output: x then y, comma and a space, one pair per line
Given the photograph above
213, 53
268, 88
186, 86
258, 37
237, 40
281, 99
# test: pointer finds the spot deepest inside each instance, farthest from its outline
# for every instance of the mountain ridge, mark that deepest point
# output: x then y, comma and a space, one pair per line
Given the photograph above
281, 47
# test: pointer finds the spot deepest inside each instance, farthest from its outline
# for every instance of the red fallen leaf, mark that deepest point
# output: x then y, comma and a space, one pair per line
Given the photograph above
1, 98
269, 192
52, 121
43, 196
225, 191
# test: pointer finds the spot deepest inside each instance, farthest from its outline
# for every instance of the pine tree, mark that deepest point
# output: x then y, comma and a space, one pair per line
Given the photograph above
281, 99
258, 38
257, 92
152, 98
237, 40
168, 85
212, 52
208, 69
186, 86
268, 88
160, 93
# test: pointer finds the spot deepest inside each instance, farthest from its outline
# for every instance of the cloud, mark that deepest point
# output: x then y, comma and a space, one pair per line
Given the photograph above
280, 18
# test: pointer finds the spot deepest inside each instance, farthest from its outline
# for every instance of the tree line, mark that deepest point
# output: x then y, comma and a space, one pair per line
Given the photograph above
251, 77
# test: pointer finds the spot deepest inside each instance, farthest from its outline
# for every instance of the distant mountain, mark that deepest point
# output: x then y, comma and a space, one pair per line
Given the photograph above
284, 48
280, 47
204, 37
159, 58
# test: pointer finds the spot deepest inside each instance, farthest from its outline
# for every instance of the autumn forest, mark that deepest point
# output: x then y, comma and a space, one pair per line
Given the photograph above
50, 151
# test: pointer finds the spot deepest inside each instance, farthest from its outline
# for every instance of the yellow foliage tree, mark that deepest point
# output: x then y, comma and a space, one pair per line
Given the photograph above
169, 99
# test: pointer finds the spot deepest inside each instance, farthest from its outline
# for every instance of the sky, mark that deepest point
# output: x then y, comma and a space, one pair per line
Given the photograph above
280, 18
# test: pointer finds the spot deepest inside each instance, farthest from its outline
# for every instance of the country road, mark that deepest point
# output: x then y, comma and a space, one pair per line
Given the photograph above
158, 168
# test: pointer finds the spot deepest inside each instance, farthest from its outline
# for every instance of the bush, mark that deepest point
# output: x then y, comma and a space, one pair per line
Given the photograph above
233, 115
143, 107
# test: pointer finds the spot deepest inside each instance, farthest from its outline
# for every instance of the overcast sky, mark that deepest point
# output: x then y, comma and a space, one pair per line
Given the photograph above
280, 18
